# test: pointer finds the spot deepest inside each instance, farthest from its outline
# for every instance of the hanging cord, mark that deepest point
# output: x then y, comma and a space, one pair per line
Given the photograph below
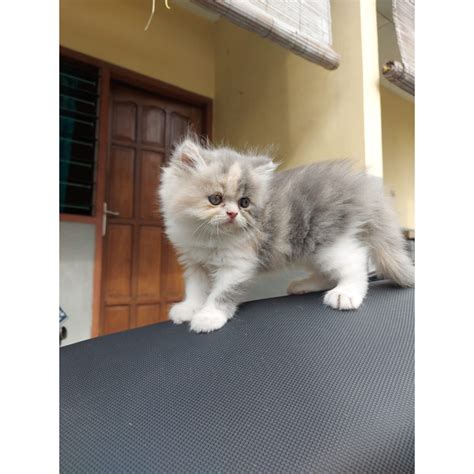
153, 12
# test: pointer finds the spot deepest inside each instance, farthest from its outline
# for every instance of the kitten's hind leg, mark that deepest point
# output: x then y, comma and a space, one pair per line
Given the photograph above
346, 262
313, 282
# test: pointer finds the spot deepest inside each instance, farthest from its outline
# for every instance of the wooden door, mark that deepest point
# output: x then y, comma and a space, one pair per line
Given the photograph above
141, 276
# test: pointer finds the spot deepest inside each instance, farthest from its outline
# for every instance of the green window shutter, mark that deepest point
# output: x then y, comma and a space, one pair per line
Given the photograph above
78, 115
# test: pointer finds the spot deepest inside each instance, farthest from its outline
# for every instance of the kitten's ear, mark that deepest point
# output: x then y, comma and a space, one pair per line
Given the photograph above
188, 155
264, 166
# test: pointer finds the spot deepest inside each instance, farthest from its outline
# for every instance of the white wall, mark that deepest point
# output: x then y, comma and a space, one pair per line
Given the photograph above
76, 270
272, 284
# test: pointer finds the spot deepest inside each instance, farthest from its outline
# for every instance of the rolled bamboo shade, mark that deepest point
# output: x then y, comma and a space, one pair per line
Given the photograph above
303, 27
402, 73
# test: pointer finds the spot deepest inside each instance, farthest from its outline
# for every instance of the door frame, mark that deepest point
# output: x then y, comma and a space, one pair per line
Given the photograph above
109, 72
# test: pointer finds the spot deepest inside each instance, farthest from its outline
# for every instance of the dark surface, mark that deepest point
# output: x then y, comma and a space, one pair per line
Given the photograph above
288, 385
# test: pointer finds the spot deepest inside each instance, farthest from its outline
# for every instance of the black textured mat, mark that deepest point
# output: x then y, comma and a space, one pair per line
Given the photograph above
288, 385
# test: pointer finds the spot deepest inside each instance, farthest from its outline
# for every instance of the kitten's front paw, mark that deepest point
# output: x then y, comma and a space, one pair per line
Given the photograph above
208, 319
182, 312
343, 300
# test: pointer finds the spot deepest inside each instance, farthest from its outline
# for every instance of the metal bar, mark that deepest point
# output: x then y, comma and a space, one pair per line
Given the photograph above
79, 142
90, 124
77, 163
76, 185
75, 206
65, 74
88, 102
92, 116
77, 90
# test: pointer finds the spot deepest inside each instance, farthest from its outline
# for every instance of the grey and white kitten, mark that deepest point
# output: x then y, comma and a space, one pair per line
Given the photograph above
230, 215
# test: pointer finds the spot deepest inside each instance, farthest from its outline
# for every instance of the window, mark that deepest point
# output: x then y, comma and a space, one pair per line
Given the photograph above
79, 98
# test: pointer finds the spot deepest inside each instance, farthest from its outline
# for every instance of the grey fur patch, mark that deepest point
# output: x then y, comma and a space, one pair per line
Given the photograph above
322, 202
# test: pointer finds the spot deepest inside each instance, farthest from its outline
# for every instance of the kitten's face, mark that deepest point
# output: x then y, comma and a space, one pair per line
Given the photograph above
219, 191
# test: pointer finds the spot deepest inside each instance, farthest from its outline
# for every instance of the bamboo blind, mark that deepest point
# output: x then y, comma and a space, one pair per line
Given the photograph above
402, 73
303, 26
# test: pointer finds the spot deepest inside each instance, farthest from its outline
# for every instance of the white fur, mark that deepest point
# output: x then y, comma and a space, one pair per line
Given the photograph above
346, 263
208, 319
196, 289
214, 314
215, 264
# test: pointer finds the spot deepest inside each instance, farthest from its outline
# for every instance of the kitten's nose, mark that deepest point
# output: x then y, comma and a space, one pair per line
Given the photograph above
231, 214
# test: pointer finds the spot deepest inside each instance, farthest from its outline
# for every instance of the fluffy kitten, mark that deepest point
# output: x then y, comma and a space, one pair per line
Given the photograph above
230, 215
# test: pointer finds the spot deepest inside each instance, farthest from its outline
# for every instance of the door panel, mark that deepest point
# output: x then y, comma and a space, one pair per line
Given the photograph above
149, 262
116, 318
121, 180
124, 121
148, 314
149, 181
153, 128
142, 277
118, 262
179, 124
171, 275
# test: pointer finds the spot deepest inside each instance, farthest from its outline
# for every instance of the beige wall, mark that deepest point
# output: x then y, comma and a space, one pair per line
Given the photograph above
266, 94
398, 129
178, 47
263, 93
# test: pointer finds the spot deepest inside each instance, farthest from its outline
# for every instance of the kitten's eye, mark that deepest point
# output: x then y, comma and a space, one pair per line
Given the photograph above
244, 202
215, 199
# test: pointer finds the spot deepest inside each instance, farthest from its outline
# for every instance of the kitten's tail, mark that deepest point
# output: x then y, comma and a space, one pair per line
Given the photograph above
389, 248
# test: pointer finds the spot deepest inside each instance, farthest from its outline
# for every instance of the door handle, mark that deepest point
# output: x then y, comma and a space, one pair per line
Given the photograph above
106, 213
111, 213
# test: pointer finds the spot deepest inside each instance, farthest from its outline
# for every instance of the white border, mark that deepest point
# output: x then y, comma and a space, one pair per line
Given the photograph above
445, 238
444, 232
29, 196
